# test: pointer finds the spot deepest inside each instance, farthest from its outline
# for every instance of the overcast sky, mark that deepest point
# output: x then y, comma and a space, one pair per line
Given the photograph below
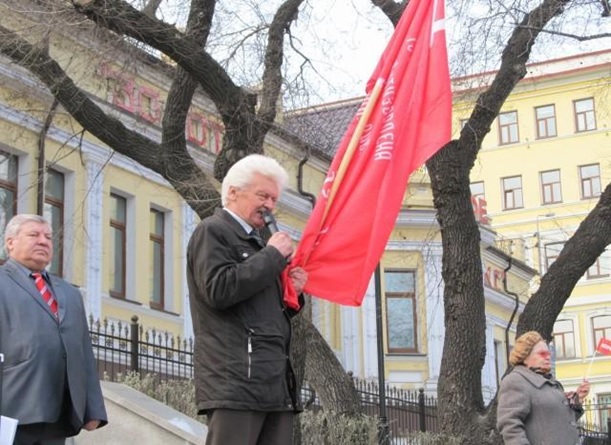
345, 38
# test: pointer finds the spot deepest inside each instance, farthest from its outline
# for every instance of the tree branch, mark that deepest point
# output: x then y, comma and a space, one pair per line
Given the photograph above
109, 130
512, 70
274, 57
576, 37
185, 50
579, 253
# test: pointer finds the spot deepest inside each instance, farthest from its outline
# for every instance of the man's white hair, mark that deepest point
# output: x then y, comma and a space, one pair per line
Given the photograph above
241, 173
16, 222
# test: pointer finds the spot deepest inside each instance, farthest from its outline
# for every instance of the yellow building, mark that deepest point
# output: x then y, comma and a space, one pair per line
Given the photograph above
121, 230
540, 171
411, 284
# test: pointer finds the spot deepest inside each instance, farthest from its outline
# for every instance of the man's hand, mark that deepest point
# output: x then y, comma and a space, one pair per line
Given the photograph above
91, 425
299, 277
283, 242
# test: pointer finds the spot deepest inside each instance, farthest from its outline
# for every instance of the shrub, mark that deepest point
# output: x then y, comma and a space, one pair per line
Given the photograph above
177, 394
330, 428
317, 427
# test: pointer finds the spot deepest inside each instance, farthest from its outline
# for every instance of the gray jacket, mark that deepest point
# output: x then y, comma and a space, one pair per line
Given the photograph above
533, 410
242, 328
44, 356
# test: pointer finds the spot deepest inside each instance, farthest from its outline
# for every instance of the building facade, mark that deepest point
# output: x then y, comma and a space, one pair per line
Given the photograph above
121, 230
540, 172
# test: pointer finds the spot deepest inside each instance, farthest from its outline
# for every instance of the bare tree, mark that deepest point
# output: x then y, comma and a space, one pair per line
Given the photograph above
249, 116
461, 406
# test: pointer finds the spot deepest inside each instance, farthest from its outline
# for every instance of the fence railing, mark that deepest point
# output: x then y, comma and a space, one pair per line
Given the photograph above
595, 426
121, 347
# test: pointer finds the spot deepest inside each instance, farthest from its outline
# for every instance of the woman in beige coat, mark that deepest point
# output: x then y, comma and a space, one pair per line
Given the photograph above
533, 408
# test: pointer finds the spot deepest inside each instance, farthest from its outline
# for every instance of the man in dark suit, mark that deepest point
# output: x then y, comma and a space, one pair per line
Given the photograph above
243, 376
50, 383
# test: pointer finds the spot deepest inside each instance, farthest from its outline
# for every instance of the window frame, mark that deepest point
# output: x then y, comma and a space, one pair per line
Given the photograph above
563, 334
604, 330
410, 295
582, 180
157, 239
58, 233
512, 191
506, 131
544, 186
584, 115
121, 227
598, 271
547, 122
12, 187
551, 257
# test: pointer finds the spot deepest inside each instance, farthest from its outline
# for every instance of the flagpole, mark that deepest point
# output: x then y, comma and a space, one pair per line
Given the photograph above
590, 366
343, 166
356, 136
383, 431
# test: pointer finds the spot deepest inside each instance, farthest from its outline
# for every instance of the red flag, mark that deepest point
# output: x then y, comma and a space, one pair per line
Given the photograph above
604, 346
404, 119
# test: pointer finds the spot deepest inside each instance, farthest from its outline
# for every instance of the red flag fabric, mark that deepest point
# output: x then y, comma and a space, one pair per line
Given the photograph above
604, 346
403, 120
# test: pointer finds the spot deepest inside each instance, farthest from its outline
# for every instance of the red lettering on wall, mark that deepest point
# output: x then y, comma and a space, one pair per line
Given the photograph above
479, 209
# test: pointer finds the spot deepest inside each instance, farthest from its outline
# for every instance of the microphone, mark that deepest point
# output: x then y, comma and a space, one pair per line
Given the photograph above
270, 222
272, 226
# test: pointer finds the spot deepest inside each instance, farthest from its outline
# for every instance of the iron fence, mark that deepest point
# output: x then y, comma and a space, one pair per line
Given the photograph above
121, 347
595, 426
406, 410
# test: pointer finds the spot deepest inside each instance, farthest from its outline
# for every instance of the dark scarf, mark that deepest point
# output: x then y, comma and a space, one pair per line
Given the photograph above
540, 371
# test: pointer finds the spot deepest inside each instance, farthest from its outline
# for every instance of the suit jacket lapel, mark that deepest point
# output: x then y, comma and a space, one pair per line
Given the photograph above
27, 283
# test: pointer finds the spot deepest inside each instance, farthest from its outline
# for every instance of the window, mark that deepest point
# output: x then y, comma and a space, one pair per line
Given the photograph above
478, 201
400, 293
156, 259
564, 339
590, 181
54, 213
8, 193
499, 362
604, 403
512, 193
508, 128
477, 189
601, 327
585, 118
598, 269
552, 250
550, 187
118, 223
546, 121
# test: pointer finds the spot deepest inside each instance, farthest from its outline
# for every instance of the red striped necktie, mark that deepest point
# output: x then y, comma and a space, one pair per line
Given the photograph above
45, 292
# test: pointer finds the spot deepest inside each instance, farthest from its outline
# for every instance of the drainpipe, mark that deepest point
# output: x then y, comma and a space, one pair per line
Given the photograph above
515, 309
302, 192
